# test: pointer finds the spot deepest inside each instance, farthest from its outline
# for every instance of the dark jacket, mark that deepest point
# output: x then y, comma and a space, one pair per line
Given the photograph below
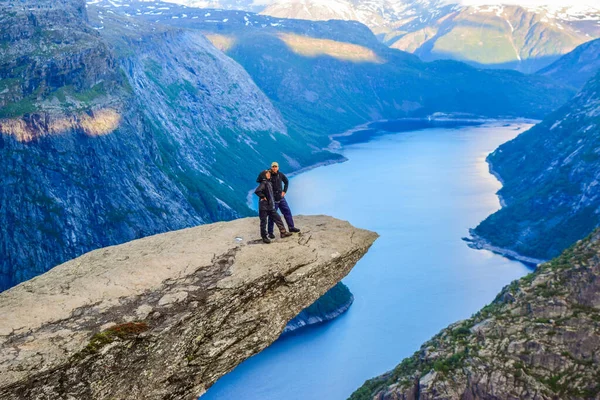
265, 191
277, 179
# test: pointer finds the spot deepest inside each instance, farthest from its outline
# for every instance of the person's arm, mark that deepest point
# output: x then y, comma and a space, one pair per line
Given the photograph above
285, 181
260, 191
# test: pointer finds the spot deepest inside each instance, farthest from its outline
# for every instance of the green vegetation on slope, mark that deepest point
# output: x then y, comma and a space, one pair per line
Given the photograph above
328, 95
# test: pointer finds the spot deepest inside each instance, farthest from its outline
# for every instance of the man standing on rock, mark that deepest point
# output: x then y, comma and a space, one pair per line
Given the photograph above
278, 178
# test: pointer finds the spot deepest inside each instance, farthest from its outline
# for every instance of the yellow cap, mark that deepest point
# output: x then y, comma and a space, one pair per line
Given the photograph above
274, 164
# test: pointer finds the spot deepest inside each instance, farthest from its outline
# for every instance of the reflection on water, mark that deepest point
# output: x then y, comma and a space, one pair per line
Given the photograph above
421, 191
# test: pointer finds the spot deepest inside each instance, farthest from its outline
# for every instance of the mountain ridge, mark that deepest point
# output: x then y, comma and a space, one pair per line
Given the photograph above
525, 38
576, 67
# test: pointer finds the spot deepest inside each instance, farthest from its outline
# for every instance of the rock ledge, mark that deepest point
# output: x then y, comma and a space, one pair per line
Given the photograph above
165, 316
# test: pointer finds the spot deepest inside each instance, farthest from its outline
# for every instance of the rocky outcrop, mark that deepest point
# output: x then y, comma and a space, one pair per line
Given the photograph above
165, 316
539, 339
550, 178
331, 305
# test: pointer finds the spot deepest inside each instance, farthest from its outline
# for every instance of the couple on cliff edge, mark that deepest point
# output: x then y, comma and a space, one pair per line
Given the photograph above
271, 198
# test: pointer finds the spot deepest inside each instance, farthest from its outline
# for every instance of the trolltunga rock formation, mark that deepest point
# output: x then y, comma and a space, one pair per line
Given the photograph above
165, 316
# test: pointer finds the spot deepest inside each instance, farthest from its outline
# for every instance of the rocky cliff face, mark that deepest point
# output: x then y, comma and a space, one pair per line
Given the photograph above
112, 130
550, 180
51, 62
540, 339
165, 316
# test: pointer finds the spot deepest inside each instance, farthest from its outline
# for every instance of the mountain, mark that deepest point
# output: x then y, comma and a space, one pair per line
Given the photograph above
576, 67
327, 77
538, 339
550, 180
113, 130
502, 36
491, 36
383, 17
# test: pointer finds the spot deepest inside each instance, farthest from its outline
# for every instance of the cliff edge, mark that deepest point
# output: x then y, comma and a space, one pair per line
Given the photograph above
165, 316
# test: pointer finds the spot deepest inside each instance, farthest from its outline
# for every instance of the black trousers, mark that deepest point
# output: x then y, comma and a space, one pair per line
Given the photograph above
287, 214
264, 216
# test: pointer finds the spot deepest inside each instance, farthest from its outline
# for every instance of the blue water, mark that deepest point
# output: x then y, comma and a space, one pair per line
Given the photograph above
421, 191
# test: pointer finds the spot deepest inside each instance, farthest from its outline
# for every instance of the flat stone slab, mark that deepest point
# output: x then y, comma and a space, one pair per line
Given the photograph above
165, 316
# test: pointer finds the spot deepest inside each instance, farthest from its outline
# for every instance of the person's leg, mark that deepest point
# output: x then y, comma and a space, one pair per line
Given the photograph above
287, 213
263, 215
279, 224
271, 222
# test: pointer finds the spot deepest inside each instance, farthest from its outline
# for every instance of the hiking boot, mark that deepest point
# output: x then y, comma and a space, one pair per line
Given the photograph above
271, 236
295, 230
266, 240
285, 234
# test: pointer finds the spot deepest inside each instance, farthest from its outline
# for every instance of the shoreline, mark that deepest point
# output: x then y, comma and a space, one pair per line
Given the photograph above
317, 165
498, 177
479, 243
300, 323
336, 145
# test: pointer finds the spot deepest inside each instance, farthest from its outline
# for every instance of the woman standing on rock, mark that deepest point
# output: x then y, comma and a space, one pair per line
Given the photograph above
266, 206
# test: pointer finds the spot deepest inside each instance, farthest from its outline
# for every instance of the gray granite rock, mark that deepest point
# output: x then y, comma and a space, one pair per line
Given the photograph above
165, 316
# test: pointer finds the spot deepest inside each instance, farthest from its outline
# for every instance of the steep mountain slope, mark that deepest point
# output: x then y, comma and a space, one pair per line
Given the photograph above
576, 67
327, 77
550, 180
539, 339
110, 138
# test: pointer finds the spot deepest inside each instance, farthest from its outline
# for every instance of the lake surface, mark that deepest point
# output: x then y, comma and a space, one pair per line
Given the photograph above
421, 191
